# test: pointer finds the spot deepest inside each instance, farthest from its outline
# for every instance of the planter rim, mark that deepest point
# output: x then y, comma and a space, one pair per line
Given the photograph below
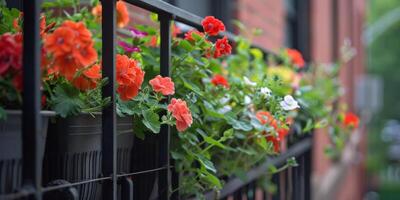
46, 113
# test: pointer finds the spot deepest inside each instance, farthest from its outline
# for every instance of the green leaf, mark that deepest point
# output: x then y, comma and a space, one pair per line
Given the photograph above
263, 143
309, 126
66, 100
238, 125
212, 179
186, 45
214, 142
139, 128
151, 120
206, 163
292, 162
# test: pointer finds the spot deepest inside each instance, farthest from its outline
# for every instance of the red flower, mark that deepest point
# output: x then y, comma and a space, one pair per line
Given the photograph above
72, 47
220, 80
189, 35
276, 142
222, 47
266, 118
176, 30
351, 120
181, 113
153, 41
212, 26
296, 57
10, 52
163, 85
129, 77
88, 79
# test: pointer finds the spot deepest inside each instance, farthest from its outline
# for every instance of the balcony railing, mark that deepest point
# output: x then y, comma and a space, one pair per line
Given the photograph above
293, 183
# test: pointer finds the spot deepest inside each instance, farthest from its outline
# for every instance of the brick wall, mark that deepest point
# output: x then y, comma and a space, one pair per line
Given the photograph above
268, 15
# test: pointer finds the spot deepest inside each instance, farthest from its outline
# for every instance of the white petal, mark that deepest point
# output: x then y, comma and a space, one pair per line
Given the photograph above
247, 100
225, 109
247, 81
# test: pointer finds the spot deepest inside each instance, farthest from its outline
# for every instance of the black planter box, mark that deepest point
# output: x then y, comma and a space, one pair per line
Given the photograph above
11, 149
73, 152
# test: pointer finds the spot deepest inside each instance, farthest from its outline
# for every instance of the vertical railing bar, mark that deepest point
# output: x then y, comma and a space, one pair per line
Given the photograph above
31, 119
109, 142
164, 137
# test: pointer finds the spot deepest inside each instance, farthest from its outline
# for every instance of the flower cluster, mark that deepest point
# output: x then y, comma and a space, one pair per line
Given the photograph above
181, 113
71, 45
129, 77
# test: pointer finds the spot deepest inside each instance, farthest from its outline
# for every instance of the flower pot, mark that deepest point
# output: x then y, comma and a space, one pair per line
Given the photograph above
11, 148
73, 151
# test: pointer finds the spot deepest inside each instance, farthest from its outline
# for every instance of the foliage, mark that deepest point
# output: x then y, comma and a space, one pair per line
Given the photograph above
225, 105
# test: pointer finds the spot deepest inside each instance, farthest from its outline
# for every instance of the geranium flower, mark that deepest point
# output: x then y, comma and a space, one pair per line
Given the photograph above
176, 30
189, 35
88, 79
122, 13
351, 120
222, 47
289, 103
128, 48
212, 26
129, 77
153, 41
296, 57
10, 52
276, 142
181, 113
220, 80
72, 47
162, 85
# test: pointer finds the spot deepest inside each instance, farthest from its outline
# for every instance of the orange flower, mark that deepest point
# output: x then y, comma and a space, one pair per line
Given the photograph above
351, 120
176, 30
276, 142
66, 66
59, 42
97, 12
265, 117
220, 80
72, 47
81, 33
122, 14
181, 113
129, 77
85, 55
153, 41
296, 57
88, 79
163, 85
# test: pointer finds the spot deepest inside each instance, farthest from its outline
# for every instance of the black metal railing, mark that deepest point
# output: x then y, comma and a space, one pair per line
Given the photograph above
123, 185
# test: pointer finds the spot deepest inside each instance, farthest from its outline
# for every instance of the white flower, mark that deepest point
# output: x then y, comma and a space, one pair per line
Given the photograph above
266, 92
289, 103
247, 81
224, 99
224, 109
247, 100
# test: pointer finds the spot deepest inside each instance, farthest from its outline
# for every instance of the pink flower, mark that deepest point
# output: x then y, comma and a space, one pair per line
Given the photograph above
163, 85
181, 113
